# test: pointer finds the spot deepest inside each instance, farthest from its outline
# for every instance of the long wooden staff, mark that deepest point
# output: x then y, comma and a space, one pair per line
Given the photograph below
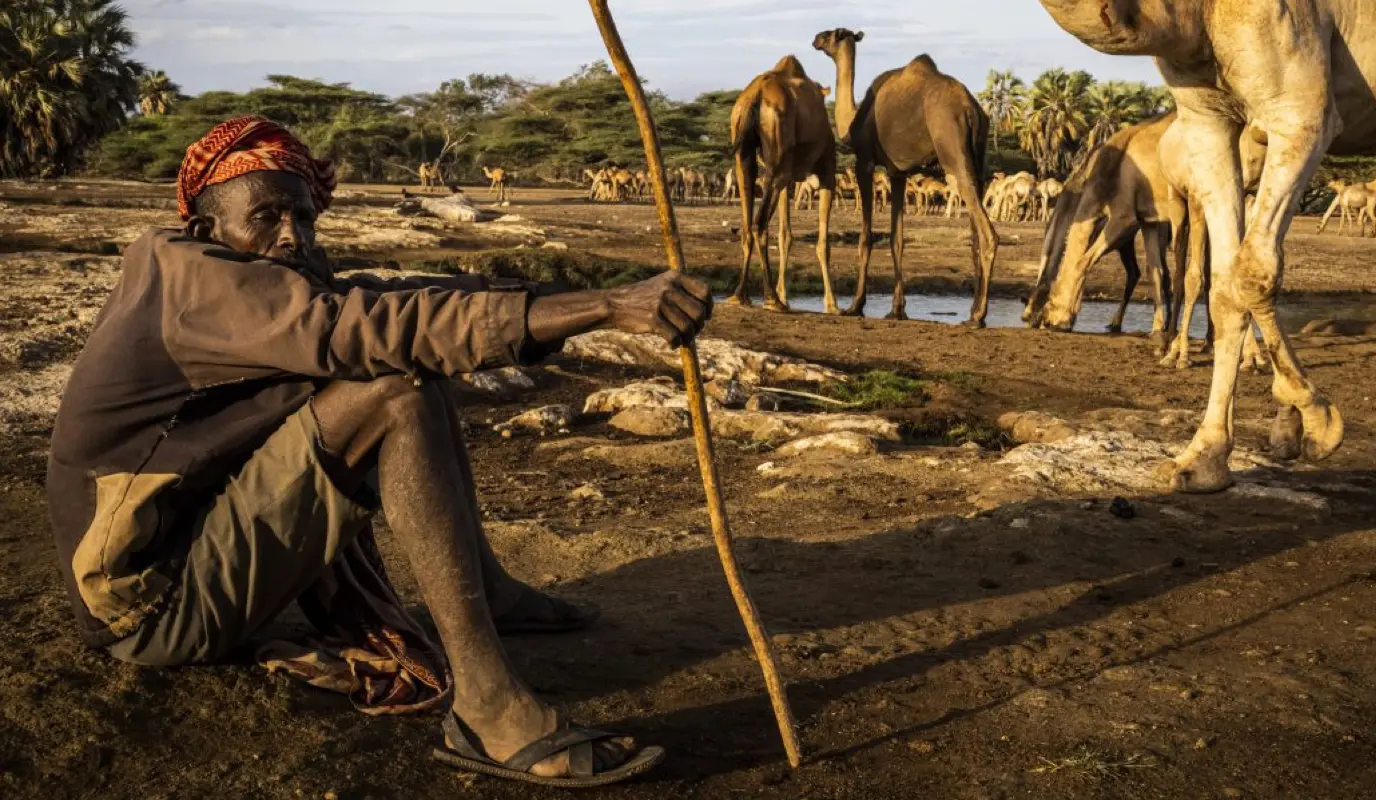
692, 380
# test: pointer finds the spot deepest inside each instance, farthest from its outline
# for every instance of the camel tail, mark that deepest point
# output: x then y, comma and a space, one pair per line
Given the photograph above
745, 124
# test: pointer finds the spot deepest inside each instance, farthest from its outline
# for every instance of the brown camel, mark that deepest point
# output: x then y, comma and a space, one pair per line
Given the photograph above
429, 174
781, 120
910, 117
1296, 70
1047, 193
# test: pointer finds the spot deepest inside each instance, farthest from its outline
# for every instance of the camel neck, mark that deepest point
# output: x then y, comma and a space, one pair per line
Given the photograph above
1135, 27
845, 90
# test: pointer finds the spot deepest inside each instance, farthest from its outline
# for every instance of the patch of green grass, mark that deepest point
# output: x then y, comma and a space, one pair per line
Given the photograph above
957, 378
954, 431
880, 388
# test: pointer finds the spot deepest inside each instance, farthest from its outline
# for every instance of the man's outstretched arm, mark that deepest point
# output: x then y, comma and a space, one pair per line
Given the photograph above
670, 305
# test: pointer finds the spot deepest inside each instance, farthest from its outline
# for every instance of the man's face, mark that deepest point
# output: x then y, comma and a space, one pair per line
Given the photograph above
263, 213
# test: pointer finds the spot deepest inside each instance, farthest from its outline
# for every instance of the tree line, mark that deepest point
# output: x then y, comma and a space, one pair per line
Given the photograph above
72, 99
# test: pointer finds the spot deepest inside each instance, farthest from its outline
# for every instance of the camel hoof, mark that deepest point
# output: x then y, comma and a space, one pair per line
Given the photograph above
1287, 431
854, 311
896, 315
1111, 328
832, 308
777, 307
737, 300
975, 323
1199, 474
1323, 431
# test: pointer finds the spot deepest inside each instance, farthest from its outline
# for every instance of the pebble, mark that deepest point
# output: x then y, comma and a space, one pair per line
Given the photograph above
1121, 508
1020, 523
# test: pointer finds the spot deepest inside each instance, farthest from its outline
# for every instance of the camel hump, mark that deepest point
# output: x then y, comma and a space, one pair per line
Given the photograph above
789, 65
923, 64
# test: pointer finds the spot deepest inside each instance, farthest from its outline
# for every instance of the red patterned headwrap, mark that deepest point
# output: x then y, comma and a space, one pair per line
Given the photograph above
250, 144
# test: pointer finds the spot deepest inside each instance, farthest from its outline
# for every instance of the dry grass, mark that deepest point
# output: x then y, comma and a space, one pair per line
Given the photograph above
1094, 765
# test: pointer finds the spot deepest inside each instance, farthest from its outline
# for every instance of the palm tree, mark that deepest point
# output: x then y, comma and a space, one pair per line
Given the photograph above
65, 80
1055, 117
157, 93
1112, 106
1002, 95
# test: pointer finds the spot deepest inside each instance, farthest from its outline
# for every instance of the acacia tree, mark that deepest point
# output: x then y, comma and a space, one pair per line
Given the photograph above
65, 81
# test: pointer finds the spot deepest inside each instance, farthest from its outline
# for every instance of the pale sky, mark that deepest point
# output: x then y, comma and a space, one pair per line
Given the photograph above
683, 47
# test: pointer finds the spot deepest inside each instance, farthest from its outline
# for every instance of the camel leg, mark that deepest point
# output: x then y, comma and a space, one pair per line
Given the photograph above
826, 194
959, 161
864, 178
1132, 274
1323, 223
1247, 273
900, 302
785, 244
745, 176
768, 205
1178, 355
1154, 239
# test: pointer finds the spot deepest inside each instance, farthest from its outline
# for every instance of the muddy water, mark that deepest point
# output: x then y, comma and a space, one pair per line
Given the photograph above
1004, 312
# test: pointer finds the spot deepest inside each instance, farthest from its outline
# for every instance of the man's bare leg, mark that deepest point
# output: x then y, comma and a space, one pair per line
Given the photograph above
405, 431
503, 591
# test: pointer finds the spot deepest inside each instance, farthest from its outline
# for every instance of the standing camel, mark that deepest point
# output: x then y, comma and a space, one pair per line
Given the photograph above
498, 177
1350, 198
910, 117
781, 120
429, 174
1298, 70
1047, 192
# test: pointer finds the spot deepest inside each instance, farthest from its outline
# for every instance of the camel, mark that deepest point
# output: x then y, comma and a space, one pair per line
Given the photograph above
1015, 197
781, 120
954, 202
805, 193
910, 117
429, 174
924, 192
1298, 70
1349, 198
846, 187
883, 189
498, 177
1120, 190
1047, 192
730, 191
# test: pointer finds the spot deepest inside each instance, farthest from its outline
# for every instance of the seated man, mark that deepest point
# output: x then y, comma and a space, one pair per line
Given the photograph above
238, 415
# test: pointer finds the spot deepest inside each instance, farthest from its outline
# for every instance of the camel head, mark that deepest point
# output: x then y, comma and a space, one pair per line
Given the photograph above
1168, 28
834, 42
1337, 185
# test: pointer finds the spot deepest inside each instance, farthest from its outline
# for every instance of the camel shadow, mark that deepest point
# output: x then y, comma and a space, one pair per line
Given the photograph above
887, 608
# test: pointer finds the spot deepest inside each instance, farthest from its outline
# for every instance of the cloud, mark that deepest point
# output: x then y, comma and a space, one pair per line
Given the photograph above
685, 48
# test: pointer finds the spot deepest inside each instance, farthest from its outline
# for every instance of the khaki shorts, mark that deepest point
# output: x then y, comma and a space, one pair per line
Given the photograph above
272, 531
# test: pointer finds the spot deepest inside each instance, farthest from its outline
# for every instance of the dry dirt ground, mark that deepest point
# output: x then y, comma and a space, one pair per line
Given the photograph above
955, 621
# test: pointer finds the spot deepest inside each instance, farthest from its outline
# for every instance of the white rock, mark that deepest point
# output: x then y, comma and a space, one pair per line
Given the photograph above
720, 359
652, 421
504, 381
845, 442
545, 419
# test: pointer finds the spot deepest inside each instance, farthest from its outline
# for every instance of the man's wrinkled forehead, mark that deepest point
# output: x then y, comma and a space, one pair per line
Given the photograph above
258, 189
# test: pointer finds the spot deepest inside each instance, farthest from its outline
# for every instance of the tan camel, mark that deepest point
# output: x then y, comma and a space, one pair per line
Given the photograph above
883, 189
498, 177
847, 187
1357, 199
429, 174
1122, 188
805, 193
1015, 198
954, 202
910, 117
730, 191
781, 120
924, 191
1047, 192
1119, 190
1294, 69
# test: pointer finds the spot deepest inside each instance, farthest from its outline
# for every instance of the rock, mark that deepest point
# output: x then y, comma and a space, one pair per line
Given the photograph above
554, 246
1097, 462
501, 382
1121, 508
587, 492
775, 493
843, 442
720, 359
675, 453
765, 468
657, 393
454, 208
1021, 523
780, 426
1035, 427
652, 421
542, 420
728, 392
